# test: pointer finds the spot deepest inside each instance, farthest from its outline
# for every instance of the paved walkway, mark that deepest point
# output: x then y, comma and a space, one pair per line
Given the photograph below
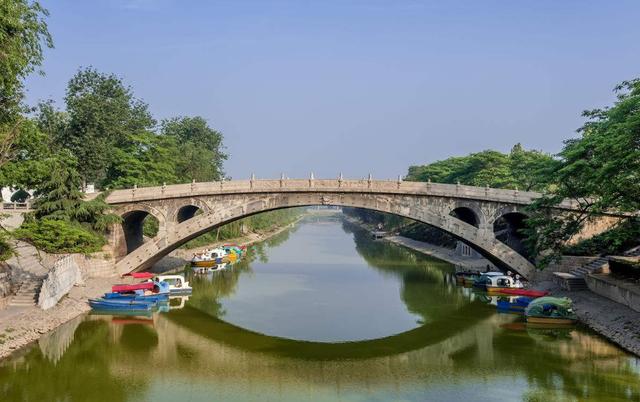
441, 253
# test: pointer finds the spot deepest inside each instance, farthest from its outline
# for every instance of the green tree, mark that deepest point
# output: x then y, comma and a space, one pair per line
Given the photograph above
59, 197
103, 114
200, 150
527, 170
600, 171
145, 159
23, 34
531, 170
30, 163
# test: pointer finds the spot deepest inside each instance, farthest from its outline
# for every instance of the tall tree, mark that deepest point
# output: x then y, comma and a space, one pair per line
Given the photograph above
600, 170
58, 197
201, 153
103, 114
145, 159
23, 34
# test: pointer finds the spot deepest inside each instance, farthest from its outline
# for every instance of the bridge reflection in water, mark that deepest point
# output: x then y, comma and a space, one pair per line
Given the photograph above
462, 349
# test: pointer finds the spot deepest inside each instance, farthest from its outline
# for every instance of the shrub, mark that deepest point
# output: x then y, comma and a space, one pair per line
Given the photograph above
56, 236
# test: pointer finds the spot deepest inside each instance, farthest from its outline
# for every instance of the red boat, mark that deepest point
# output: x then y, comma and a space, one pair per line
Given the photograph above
524, 292
142, 275
131, 288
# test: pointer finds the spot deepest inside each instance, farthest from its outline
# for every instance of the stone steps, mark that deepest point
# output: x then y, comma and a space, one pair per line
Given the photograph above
29, 272
570, 282
27, 294
590, 267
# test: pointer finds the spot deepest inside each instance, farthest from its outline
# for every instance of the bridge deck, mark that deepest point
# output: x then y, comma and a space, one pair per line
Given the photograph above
331, 186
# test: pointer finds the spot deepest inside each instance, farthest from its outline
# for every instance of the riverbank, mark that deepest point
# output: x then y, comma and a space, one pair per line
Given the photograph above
20, 326
180, 257
441, 253
615, 322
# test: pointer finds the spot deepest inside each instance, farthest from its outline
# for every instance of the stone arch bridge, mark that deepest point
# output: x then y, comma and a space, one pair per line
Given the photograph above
483, 217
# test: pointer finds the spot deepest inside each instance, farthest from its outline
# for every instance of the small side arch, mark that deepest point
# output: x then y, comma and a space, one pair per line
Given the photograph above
189, 209
130, 233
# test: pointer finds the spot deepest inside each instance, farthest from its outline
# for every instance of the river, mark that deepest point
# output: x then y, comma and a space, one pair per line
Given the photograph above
321, 312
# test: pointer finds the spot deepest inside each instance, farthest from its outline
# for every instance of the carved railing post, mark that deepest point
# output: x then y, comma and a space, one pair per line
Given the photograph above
253, 178
399, 181
282, 180
340, 178
311, 179
369, 181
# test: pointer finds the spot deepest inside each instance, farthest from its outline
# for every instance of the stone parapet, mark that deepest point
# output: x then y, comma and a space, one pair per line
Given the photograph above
318, 185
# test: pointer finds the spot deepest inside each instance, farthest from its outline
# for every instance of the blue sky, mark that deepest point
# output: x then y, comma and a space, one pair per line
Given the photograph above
354, 86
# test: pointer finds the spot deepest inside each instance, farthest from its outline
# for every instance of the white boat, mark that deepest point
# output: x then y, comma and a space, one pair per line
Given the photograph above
208, 258
177, 283
496, 283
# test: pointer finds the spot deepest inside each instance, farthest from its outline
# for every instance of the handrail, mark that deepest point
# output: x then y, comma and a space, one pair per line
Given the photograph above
196, 189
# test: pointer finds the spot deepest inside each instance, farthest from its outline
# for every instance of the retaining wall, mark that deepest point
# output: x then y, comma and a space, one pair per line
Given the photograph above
59, 281
566, 264
619, 291
71, 270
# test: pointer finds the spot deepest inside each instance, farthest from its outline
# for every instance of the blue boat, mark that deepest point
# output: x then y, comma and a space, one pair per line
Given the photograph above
159, 297
514, 306
128, 305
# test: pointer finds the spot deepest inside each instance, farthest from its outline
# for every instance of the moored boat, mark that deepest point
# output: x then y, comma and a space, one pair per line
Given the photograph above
525, 292
177, 283
517, 305
550, 310
208, 258
128, 305
496, 283
136, 296
132, 288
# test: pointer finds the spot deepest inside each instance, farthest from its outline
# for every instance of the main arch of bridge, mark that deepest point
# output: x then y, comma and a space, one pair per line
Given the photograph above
187, 211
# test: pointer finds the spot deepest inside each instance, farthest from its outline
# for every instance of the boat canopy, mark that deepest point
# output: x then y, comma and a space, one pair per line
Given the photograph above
558, 307
132, 288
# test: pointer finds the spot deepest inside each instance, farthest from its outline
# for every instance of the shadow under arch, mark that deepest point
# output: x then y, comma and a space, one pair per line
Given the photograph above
160, 246
221, 331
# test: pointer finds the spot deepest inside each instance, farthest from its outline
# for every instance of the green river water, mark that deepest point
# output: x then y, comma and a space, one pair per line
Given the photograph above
321, 313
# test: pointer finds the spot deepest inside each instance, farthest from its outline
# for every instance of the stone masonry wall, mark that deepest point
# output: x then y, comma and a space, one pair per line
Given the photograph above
61, 278
71, 270
619, 291
566, 264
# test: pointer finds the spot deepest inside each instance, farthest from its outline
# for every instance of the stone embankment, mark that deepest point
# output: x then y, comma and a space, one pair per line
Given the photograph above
63, 285
614, 321
20, 326
441, 253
